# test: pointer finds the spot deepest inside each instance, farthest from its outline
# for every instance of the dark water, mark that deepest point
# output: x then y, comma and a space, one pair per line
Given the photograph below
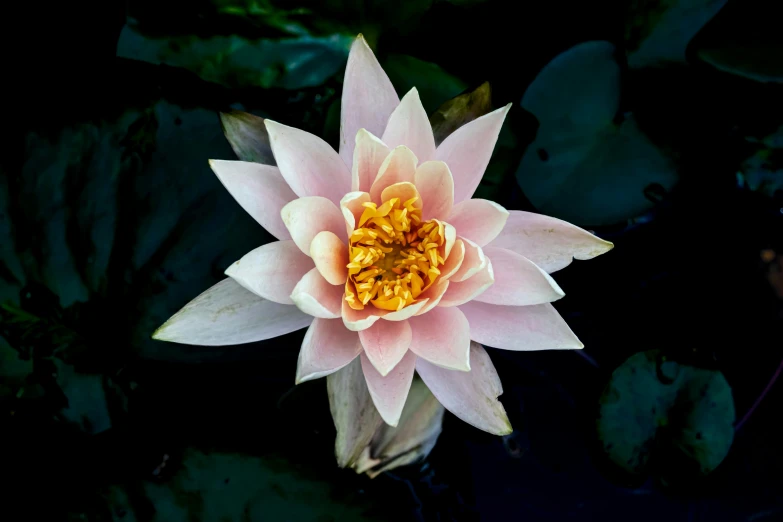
113, 220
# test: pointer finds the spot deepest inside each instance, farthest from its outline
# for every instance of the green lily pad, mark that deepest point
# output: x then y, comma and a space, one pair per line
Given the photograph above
584, 166
13, 370
234, 61
234, 487
657, 32
434, 84
673, 420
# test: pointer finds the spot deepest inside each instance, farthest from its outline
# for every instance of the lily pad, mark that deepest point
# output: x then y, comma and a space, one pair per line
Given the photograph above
233, 487
658, 32
673, 420
435, 85
584, 166
744, 40
234, 61
13, 370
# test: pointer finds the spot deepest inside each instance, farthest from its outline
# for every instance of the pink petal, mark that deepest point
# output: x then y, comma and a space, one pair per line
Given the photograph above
358, 320
548, 242
407, 312
228, 314
468, 149
443, 338
519, 281
409, 125
309, 165
315, 296
450, 236
368, 157
271, 271
464, 291
259, 189
352, 207
368, 98
433, 295
327, 347
385, 344
354, 414
389, 393
473, 261
471, 396
479, 220
436, 186
519, 328
454, 261
330, 255
306, 217
398, 167
404, 191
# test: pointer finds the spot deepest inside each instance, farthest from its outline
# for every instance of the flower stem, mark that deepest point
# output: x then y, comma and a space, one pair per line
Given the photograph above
760, 397
587, 358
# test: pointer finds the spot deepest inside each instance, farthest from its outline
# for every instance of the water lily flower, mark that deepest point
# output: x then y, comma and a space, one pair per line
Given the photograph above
388, 262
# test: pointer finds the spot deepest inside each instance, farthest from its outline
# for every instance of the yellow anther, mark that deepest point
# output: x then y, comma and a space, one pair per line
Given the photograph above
394, 255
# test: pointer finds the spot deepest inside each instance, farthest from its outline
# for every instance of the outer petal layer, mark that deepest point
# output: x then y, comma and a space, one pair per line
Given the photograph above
326, 348
389, 392
518, 281
471, 396
468, 149
519, 328
479, 220
548, 242
306, 217
442, 336
409, 125
368, 98
259, 189
354, 414
271, 271
228, 314
315, 296
386, 343
309, 165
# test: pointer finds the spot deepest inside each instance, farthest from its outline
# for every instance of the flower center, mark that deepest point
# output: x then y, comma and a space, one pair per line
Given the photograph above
394, 255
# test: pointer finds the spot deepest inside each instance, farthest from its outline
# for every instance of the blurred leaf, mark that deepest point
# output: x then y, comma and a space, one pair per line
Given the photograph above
582, 166
744, 39
763, 171
659, 416
232, 487
87, 405
13, 370
125, 212
234, 61
658, 31
460, 110
247, 135
435, 85
413, 438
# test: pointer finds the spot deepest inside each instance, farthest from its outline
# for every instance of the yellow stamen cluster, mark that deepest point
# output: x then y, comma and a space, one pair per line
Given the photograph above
394, 255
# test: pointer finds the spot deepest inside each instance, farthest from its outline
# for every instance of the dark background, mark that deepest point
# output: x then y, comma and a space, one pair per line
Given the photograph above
111, 220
